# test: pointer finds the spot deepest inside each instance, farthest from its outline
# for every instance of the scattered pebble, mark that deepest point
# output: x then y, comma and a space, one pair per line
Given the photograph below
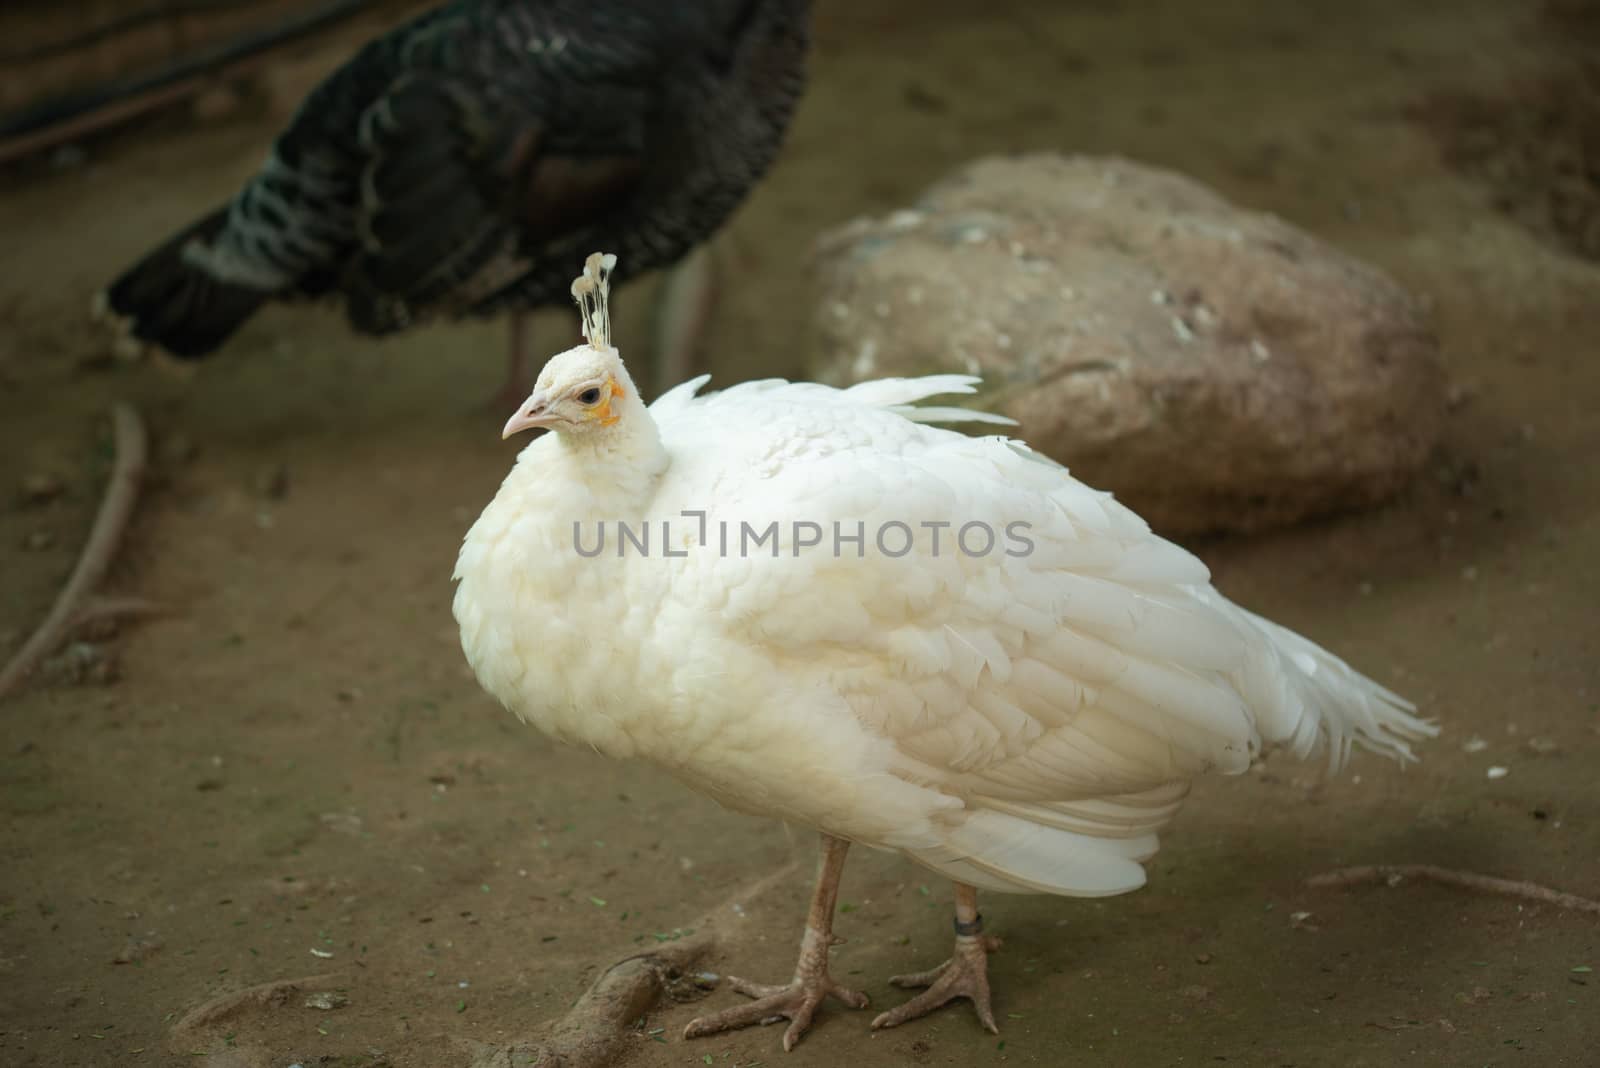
1540, 746
324, 954
1498, 772
1474, 745
1458, 395
327, 1000
82, 663
138, 950
41, 488
342, 822
272, 482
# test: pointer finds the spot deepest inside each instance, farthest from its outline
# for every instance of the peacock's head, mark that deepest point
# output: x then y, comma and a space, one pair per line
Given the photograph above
581, 391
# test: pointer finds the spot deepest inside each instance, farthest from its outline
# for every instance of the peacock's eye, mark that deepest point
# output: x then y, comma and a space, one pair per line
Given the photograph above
590, 396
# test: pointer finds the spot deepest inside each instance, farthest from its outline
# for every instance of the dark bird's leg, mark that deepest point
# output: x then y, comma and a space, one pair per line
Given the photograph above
518, 384
684, 309
964, 975
796, 1001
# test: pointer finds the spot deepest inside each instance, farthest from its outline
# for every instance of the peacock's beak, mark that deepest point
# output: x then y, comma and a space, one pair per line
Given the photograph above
531, 414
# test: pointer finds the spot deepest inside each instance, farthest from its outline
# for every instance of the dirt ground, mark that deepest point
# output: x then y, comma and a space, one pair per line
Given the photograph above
292, 774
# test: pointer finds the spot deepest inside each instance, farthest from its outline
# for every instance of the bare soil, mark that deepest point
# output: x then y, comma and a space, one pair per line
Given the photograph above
293, 777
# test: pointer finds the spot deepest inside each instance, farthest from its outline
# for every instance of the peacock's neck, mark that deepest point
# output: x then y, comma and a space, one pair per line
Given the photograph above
609, 475
622, 464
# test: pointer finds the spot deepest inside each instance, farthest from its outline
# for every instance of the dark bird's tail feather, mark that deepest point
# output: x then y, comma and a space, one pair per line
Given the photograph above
166, 300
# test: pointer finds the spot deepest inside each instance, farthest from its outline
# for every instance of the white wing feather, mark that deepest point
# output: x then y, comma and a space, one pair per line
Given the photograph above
1066, 697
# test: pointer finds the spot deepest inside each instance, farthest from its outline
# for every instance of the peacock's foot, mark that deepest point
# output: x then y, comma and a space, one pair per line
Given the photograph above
796, 1002
964, 975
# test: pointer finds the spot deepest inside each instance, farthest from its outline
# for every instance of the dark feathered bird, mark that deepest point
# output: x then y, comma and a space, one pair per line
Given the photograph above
460, 164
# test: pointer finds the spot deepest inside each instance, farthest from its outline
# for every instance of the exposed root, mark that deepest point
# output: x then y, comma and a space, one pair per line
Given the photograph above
595, 1031
598, 1029
687, 301
122, 492
109, 609
1393, 874
224, 1007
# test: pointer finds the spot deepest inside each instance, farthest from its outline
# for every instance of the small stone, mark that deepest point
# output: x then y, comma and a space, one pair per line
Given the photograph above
1498, 772
272, 482
327, 1001
83, 663
1458, 395
1540, 746
138, 949
342, 823
1474, 745
41, 488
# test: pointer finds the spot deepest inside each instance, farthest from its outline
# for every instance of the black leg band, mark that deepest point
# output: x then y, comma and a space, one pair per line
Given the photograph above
968, 930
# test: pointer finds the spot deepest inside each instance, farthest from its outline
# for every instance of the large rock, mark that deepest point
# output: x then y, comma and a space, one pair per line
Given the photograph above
1216, 369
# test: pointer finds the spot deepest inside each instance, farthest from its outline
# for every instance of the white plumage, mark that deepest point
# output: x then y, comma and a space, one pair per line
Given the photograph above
1023, 721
